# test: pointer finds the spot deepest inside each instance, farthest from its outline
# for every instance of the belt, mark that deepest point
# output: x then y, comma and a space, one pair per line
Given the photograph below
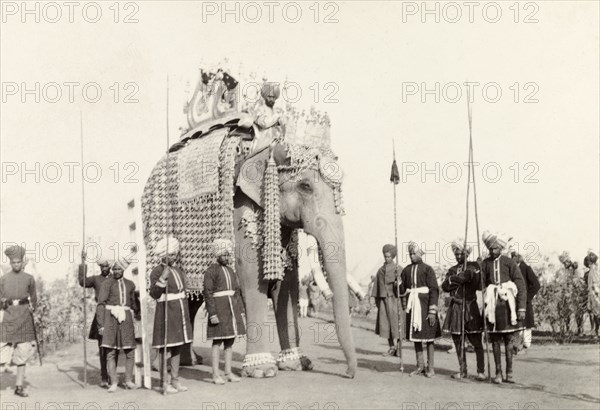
16, 302
459, 300
172, 296
224, 293
118, 311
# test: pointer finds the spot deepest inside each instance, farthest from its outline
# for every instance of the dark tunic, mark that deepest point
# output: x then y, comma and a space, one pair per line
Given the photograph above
94, 282
386, 325
507, 271
115, 292
179, 329
471, 283
228, 309
417, 275
533, 286
17, 324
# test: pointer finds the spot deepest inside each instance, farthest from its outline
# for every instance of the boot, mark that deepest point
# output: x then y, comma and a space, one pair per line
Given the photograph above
420, 364
430, 364
19, 391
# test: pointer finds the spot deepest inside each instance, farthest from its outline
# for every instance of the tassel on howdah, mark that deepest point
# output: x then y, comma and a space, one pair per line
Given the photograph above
271, 251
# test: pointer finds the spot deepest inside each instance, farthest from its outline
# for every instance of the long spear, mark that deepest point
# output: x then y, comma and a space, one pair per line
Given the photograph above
395, 178
472, 166
82, 253
163, 373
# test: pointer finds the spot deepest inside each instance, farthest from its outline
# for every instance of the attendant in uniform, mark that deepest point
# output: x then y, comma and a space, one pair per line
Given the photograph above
505, 302
96, 282
386, 300
593, 288
18, 299
222, 293
114, 314
419, 283
268, 124
462, 284
533, 286
168, 285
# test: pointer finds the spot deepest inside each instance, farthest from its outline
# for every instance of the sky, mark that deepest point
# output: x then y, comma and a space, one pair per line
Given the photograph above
385, 71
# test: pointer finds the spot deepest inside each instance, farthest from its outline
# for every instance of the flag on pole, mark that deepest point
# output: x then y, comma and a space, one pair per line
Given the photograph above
395, 177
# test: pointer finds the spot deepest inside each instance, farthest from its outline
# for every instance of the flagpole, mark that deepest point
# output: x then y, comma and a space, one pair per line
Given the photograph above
83, 265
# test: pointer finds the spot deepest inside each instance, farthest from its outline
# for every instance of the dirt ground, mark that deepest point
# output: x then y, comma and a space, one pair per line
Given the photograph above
548, 376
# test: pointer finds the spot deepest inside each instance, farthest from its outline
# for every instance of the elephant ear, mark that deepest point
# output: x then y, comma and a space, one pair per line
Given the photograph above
251, 176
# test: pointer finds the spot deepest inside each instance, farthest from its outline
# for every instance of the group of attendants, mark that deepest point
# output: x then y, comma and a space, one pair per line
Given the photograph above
504, 284
118, 306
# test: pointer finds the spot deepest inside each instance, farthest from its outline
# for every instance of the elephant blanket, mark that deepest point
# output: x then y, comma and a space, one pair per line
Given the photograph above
190, 194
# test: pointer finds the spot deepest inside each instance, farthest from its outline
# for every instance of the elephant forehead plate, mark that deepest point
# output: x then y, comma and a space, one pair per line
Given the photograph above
198, 167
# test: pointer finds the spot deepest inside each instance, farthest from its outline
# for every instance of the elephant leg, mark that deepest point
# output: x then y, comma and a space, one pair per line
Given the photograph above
258, 361
285, 304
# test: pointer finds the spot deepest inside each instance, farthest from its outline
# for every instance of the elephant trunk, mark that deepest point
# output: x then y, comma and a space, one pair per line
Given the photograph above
330, 236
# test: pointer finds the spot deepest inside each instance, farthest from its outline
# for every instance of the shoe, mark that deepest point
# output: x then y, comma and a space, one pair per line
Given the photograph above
480, 377
459, 375
218, 380
452, 350
429, 373
112, 388
104, 384
391, 352
497, 379
417, 372
230, 377
19, 391
509, 378
168, 389
130, 386
178, 386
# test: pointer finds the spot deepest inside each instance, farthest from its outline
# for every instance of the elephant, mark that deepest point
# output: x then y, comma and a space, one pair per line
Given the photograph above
305, 195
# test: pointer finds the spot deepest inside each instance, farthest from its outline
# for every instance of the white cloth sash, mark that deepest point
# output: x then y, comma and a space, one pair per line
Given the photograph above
172, 296
118, 311
414, 305
224, 293
505, 291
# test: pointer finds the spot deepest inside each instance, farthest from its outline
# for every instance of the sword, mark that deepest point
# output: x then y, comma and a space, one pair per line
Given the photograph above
37, 343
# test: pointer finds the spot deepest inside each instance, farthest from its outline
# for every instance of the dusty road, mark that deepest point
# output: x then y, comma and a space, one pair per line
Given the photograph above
548, 376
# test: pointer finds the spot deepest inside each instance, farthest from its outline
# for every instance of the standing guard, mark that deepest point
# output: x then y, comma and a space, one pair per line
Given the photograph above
96, 282
18, 300
505, 302
422, 325
115, 311
462, 284
532, 284
168, 285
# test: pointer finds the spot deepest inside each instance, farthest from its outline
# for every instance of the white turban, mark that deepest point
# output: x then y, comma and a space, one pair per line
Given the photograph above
161, 246
121, 262
458, 246
222, 246
414, 248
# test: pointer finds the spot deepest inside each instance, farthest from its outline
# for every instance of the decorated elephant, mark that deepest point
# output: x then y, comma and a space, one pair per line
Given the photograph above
210, 185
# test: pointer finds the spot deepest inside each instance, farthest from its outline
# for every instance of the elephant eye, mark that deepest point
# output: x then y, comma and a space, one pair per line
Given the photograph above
304, 186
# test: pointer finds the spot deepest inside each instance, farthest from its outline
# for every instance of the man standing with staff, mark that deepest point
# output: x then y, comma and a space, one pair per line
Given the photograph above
168, 285
18, 300
96, 282
463, 317
505, 302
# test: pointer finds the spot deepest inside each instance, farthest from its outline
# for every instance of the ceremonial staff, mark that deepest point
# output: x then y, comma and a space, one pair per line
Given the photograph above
395, 179
163, 373
83, 253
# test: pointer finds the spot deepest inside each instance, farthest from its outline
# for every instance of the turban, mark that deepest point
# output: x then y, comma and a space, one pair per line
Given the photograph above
458, 246
592, 257
122, 263
15, 252
161, 246
222, 246
391, 249
491, 239
103, 262
270, 89
414, 248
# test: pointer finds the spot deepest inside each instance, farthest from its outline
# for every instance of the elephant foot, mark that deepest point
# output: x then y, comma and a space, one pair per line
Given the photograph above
293, 359
259, 365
